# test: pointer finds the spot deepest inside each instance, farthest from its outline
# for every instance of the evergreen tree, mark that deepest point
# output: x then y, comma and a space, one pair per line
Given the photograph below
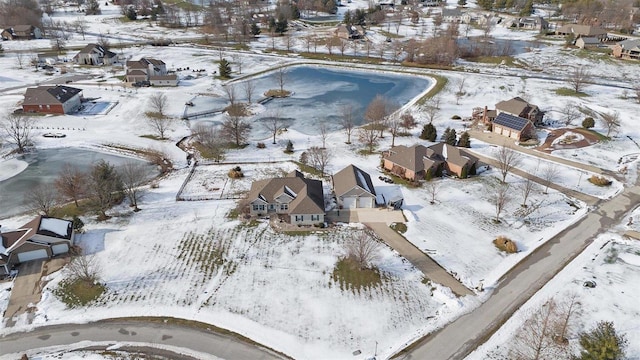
289, 148
449, 136
528, 8
272, 24
224, 69
602, 343
465, 140
429, 132
347, 17
360, 17
485, 4
131, 13
255, 29
281, 25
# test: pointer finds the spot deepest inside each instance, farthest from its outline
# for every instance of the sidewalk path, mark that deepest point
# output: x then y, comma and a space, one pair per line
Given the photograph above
420, 260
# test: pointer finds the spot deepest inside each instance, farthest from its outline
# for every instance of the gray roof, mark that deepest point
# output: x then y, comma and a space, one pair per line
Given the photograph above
630, 44
164, 77
589, 40
582, 30
409, 157
97, 48
49, 95
418, 157
511, 122
307, 194
350, 177
451, 154
451, 12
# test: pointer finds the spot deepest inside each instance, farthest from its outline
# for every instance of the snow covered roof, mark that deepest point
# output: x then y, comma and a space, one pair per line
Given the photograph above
350, 177
55, 227
49, 95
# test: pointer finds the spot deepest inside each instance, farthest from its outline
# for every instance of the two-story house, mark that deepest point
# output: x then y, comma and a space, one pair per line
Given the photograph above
152, 70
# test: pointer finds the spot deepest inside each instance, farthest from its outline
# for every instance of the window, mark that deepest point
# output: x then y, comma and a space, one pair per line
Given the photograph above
299, 217
284, 206
271, 206
258, 207
315, 217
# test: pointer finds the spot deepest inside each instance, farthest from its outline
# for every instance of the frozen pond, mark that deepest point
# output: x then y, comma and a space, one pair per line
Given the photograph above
318, 94
44, 166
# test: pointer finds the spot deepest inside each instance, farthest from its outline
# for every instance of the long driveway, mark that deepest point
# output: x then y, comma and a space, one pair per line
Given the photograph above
459, 338
420, 260
199, 340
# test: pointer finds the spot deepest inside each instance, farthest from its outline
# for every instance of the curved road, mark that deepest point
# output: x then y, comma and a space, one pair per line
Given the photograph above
178, 336
457, 339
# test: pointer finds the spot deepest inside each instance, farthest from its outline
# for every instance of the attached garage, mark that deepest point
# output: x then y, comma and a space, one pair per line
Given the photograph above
32, 255
349, 202
365, 202
60, 249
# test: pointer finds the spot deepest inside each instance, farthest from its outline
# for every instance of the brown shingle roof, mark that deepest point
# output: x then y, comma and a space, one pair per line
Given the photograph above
307, 194
350, 177
582, 30
49, 95
409, 157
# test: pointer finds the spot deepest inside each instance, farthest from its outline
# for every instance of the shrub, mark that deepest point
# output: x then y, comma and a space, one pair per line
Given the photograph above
78, 224
429, 132
600, 180
236, 173
261, 145
399, 227
505, 244
456, 117
588, 123
289, 148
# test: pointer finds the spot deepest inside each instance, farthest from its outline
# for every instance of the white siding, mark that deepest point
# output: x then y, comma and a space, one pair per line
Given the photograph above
365, 202
349, 202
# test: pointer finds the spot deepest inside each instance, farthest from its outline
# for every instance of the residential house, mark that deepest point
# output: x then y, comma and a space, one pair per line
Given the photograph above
430, 3
40, 238
353, 188
628, 49
21, 32
588, 42
48, 59
579, 31
94, 54
514, 127
296, 199
418, 162
452, 15
52, 99
349, 32
152, 70
519, 107
532, 23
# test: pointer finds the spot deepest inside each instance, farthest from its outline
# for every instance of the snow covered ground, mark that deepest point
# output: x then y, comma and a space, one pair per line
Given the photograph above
277, 289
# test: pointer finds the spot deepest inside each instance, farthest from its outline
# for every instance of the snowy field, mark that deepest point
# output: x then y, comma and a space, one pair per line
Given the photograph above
613, 263
278, 289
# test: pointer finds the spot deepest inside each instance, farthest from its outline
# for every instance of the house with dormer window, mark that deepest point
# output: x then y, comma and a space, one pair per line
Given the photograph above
294, 198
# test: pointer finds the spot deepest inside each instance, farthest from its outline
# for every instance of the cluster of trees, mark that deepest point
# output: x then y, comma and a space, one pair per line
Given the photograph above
440, 50
618, 15
102, 187
545, 333
524, 8
20, 12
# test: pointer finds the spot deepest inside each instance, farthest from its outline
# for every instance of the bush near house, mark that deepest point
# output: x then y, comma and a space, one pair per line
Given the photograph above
505, 244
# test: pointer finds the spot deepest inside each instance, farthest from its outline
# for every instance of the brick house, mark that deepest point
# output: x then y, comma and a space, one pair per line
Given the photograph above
627, 49
418, 162
58, 99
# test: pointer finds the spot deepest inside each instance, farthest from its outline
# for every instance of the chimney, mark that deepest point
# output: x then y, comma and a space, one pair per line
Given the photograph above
484, 114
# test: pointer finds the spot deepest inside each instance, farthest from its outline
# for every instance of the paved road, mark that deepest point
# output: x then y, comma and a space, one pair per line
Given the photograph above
207, 342
420, 260
458, 339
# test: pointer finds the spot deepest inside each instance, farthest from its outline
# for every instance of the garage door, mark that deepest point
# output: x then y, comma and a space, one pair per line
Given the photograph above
364, 202
349, 203
60, 249
32, 255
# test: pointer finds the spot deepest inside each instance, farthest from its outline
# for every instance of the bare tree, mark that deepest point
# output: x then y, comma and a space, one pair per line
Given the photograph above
249, 88
549, 174
460, 93
273, 123
395, 124
612, 121
133, 176
71, 183
105, 188
281, 78
324, 133
636, 90
534, 340
364, 249
81, 26
432, 109
566, 310
578, 78
368, 136
526, 189
570, 112
501, 199
407, 121
239, 60
160, 124
507, 159
433, 188
104, 41
212, 145
159, 102
20, 59
237, 128
18, 129
346, 120
230, 91
42, 198
376, 114
84, 268
319, 158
